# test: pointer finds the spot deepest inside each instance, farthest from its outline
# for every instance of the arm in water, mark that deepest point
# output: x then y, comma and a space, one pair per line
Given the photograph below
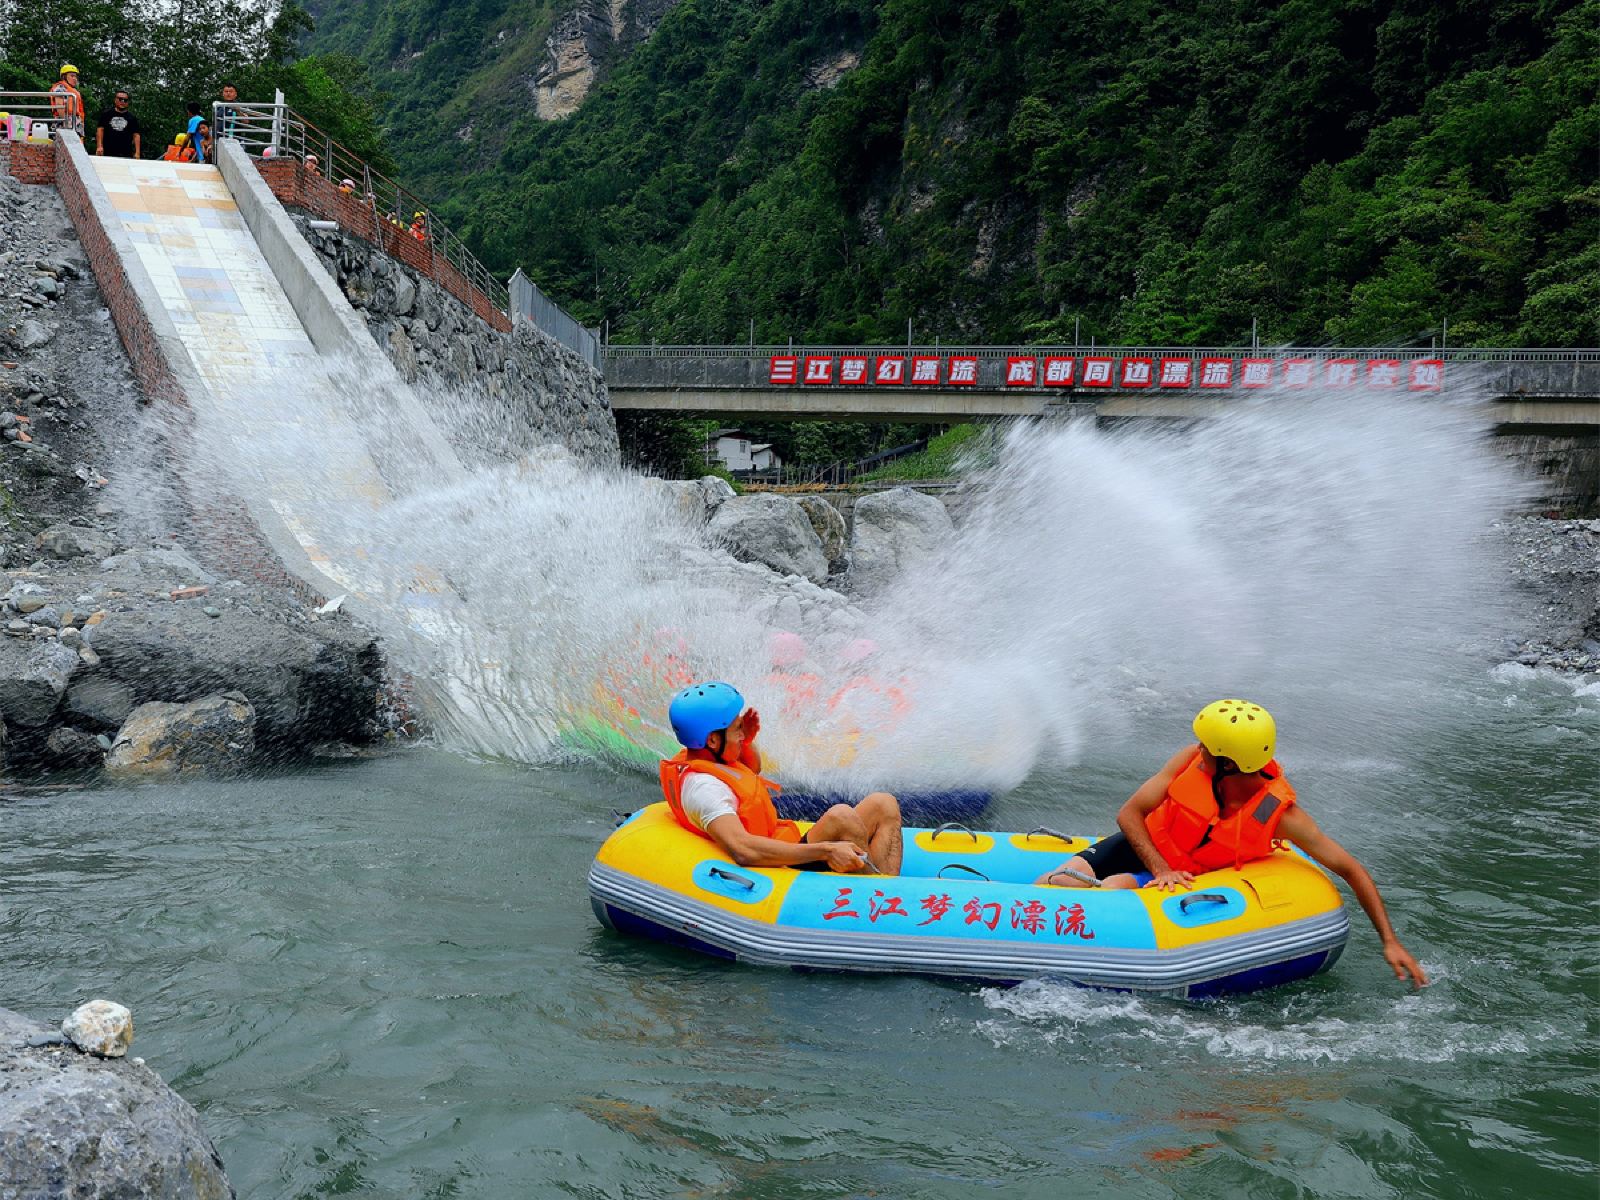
750, 850
1300, 829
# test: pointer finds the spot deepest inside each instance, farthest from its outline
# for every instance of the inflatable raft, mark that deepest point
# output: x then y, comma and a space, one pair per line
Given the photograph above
964, 906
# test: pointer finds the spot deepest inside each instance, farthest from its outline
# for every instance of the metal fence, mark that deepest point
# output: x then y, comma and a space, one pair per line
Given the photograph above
27, 117
273, 131
533, 306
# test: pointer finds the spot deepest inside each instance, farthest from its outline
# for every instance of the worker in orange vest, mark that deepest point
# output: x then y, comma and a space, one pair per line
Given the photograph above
1219, 803
66, 102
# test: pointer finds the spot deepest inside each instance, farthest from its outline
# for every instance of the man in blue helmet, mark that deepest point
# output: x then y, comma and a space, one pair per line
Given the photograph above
715, 789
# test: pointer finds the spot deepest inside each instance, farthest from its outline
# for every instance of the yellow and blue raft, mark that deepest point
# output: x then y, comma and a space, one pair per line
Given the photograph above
964, 906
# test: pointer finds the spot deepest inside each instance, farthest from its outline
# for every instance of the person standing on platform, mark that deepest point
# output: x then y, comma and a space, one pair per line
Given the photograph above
66, 102
117, 131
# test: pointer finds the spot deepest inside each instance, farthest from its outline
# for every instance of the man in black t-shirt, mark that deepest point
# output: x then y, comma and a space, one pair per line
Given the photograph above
117, 132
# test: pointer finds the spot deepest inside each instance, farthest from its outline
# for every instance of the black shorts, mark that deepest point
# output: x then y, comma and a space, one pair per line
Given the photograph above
809, 866
1114, 856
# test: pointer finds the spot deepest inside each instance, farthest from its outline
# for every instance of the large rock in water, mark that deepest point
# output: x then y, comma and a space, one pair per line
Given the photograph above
307, 683
773, 531
33, 677
217, 734
75, 1125
894, 530
829, 524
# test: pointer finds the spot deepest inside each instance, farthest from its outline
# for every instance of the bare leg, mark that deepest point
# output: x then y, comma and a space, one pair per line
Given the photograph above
880, 812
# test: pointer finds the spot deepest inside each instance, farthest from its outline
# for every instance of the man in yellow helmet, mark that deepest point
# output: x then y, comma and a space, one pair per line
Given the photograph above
1222, 802
66, 102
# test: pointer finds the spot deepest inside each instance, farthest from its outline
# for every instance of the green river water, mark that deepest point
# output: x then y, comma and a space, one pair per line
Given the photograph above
383, 978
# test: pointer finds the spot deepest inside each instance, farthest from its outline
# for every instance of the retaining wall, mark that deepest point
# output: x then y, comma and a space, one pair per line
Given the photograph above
297, 187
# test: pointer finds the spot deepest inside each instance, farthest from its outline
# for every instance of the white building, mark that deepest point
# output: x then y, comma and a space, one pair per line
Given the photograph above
735, 451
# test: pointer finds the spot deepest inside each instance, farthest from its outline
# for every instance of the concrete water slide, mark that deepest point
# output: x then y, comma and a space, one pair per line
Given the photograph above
227, 313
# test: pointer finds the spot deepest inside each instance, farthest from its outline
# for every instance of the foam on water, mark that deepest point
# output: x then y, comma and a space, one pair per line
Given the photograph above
1425, 1026
1320, 553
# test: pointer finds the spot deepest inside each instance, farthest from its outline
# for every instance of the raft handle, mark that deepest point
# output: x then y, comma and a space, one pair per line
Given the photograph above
1201, 898
948, 825
1045, 829
962, 867
748, 884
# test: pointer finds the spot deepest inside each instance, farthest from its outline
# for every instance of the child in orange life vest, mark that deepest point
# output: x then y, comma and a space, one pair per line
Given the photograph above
715, 789
1222, 803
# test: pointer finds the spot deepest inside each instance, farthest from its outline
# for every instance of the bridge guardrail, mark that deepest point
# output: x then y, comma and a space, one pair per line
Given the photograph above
1405, 353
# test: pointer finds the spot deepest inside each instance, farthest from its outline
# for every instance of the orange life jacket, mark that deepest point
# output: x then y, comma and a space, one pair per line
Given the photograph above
178, 154
66, 104
752, 796
1189, 811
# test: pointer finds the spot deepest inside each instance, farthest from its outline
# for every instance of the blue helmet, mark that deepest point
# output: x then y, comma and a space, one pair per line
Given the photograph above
702, 709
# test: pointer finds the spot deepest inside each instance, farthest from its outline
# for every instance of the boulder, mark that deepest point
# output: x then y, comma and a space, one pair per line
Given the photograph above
893, 530
101, 1027
828, 522
100, 701
716, 490
31, 334
74, 541
217, 734
74, 747
72, 1124
33, 678
773, 531
307, 683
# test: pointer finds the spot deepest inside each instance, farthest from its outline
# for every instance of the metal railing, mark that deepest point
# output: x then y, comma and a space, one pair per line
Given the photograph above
276, 132
533, 306
31, 107
1404, 353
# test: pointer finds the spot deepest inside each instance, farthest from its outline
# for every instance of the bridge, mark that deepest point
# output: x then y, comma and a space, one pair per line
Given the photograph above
1549, 389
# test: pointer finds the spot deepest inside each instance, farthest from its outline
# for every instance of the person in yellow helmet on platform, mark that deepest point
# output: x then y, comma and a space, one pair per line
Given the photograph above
1222, 802
66, 102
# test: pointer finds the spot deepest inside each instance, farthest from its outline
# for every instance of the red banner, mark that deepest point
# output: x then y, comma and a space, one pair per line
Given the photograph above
925, 370
853, 370
1058, 372
963, 370
1255, 372
1097, 372
784, 368
1136, 372
1022, 372
1216, 372
891, 370
1176, 372
819, 369
1427, 375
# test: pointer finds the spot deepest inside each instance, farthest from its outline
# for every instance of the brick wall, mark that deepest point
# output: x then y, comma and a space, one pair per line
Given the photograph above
30, 164
150, 366
295, 187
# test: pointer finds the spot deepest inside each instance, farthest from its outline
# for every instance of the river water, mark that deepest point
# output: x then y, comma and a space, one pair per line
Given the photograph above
382, 977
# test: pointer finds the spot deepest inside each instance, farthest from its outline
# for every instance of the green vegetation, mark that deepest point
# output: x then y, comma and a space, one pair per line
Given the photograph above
167, 54
952, 452
1335, 170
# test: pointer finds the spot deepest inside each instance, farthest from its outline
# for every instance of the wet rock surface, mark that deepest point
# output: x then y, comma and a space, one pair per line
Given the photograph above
1555, 564
771, 530
893, 530
104, 607
75, 1124
215, 735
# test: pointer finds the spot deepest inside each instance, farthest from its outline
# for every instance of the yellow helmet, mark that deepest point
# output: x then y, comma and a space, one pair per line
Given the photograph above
181, 140
68, 69
1237, 730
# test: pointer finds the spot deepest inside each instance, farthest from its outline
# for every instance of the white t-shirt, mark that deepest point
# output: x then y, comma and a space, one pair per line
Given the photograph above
705, 798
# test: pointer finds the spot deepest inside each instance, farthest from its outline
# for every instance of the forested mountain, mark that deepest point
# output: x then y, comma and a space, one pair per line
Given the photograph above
1340, 170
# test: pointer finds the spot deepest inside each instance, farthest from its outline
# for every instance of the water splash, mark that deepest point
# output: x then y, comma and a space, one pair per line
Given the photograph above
1323, 554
